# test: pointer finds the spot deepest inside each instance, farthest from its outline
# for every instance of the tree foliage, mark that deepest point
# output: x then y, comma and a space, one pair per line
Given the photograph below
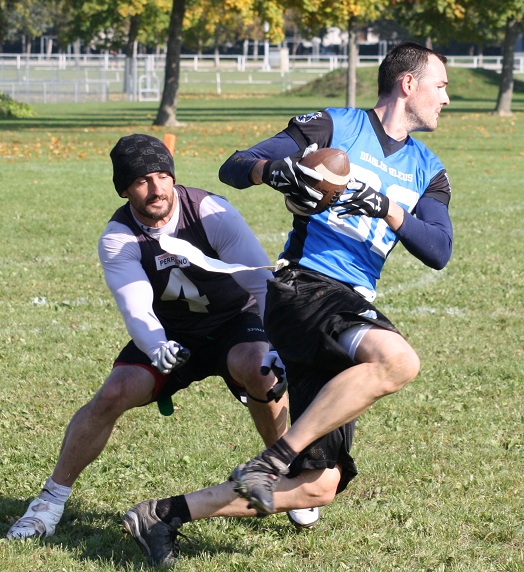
108, 24
124, 24
483, 23
216, 22
6, 8
351, 15
29, 18
430, 19
205, 20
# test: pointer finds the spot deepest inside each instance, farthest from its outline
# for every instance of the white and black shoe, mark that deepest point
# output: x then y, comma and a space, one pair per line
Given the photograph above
304, 517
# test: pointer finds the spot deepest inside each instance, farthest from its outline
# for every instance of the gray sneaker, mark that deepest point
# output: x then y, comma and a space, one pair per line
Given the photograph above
157, 539
256, 480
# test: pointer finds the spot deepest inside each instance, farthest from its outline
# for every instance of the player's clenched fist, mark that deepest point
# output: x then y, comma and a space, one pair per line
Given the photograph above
170, 356
287, 176
362, 201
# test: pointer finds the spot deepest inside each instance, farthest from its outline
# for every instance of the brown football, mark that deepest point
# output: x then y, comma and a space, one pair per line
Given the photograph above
333, 165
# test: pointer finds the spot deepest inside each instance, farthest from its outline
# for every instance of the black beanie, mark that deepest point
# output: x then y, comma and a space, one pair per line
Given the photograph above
137, 155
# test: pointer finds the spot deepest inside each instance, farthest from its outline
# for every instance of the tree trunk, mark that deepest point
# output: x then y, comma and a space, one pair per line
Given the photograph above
130, 53
505, 96
351, 91
166, 115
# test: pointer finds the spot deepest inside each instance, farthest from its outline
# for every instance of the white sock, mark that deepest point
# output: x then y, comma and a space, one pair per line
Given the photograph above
55, 493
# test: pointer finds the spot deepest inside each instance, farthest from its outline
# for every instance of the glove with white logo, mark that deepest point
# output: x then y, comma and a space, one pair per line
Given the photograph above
272, 362
363, 201
286, 176
170, 356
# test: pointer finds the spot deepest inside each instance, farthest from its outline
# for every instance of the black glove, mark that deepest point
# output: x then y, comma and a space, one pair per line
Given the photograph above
286, 176
362, 201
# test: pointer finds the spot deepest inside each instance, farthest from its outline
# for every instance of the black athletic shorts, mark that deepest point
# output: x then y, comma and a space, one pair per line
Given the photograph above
208, 356
305, 313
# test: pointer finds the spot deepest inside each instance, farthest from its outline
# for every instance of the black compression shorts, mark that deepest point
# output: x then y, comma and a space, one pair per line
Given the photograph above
208, 356
305, 313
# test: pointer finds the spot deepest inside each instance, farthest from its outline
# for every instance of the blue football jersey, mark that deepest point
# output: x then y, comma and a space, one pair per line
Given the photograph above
353, 250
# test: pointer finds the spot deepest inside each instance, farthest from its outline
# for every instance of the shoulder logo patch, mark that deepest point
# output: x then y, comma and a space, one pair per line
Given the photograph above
309, 117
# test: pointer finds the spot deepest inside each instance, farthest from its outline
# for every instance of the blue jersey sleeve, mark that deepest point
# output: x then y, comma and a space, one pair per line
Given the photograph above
428, 237
301, 131
235, 171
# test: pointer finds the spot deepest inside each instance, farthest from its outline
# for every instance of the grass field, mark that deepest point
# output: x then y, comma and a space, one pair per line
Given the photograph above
440, 484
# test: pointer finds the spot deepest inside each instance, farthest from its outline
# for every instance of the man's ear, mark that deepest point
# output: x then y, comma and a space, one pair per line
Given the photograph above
408, 83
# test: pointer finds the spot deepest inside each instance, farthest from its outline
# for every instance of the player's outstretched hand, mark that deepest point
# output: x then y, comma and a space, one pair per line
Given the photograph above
363, 200
272, 362
170, 356
287, 176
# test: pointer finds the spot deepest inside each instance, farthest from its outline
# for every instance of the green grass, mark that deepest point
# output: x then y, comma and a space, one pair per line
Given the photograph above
440, 486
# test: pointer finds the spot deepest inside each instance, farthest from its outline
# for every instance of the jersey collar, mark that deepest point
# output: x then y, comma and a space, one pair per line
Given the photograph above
389, 145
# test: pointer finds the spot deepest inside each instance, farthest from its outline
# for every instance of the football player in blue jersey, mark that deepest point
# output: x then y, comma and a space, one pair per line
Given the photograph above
340, 352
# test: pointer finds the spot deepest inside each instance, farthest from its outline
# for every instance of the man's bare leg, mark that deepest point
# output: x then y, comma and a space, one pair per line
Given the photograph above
84, 440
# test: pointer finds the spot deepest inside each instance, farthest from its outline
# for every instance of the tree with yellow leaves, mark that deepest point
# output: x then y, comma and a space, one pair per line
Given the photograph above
348, 15
199, 20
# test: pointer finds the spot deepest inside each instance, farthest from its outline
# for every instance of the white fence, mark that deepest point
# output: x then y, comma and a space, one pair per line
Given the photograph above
75, 78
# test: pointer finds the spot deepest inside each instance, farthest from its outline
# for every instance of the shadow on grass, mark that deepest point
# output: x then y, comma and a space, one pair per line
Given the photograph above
123, 116
471, 91
99, 537
80, 532
113, 115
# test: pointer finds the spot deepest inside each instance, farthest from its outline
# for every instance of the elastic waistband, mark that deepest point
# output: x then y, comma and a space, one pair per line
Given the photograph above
283, 266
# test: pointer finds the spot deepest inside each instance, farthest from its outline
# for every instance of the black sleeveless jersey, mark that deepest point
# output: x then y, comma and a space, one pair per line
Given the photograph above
188, 301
